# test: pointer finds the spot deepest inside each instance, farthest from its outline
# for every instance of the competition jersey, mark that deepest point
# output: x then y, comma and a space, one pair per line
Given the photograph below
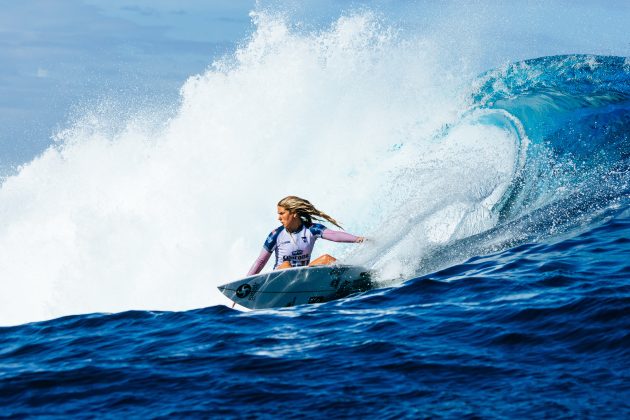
294, 247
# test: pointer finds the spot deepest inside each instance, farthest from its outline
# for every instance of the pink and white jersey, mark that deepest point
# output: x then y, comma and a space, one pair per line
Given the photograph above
295, 247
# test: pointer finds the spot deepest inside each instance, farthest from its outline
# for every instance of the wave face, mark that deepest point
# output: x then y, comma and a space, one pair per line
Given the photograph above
575, 113
569, 117
497, 204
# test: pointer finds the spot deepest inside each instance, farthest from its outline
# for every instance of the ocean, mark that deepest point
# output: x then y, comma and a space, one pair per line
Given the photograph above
496, 204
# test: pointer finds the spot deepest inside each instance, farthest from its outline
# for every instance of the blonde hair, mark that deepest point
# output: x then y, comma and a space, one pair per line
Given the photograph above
305, 210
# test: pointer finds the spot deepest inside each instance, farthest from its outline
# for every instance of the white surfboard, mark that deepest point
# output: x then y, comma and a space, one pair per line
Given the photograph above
298, 286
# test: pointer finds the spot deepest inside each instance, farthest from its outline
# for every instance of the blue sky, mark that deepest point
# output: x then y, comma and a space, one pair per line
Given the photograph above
60, 56
57, 55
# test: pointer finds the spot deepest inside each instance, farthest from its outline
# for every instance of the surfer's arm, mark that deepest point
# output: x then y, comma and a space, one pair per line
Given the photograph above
339, 236
260, 262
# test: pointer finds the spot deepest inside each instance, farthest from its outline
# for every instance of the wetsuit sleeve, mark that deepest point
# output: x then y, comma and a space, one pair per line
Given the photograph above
260, 262
268, 247
338, 236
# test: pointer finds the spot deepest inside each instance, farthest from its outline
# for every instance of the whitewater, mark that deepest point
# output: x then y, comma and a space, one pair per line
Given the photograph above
153, 212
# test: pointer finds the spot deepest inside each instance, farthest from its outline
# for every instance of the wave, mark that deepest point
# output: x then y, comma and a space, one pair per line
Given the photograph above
566, 121
372, 126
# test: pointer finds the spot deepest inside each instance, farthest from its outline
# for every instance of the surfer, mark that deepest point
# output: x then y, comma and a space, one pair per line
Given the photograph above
293, 241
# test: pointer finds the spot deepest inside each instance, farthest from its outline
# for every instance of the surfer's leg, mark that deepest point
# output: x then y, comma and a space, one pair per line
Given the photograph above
284, 265
323, 260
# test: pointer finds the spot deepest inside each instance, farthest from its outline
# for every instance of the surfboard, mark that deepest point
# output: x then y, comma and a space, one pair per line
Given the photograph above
298, 286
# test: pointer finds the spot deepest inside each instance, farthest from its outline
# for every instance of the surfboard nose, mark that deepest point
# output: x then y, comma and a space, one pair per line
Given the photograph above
226, 290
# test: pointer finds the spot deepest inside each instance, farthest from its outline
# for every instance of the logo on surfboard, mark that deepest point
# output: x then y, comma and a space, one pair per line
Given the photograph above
243, 290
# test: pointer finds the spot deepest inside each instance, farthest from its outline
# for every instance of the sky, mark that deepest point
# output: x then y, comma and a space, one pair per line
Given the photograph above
60, 57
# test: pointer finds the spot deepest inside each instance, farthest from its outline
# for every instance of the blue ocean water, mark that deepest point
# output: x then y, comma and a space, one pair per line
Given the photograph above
535, 322
539, 330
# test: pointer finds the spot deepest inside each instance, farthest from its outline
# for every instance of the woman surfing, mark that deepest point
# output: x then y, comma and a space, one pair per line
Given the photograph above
293, 242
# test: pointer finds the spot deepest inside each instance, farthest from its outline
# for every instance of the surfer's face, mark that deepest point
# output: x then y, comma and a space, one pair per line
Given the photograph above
288, 219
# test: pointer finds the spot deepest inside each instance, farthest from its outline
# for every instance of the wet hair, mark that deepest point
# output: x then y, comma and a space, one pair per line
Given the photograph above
305, 210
